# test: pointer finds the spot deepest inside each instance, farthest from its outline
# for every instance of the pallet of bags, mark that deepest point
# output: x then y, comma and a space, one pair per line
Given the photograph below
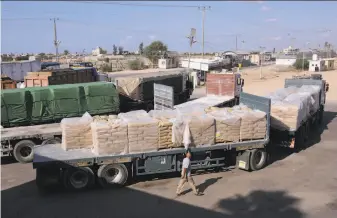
135, 114
197, 127
166, 120
253, 123
143, 133
110, 137
227, 125
76, 132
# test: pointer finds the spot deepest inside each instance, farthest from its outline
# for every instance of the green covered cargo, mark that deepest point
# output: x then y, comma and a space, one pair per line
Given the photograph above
42, 107
38, 105
16, 107
101, 98
68, 100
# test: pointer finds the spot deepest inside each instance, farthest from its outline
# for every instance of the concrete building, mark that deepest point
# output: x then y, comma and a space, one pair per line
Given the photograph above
290, 51
285, 60
97, 51
316, 63
329, 64
255, 58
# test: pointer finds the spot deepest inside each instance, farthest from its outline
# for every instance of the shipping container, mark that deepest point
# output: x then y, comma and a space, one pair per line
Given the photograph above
223, 84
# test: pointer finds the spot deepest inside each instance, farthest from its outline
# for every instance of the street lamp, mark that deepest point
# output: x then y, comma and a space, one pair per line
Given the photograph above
261, 53
305, 45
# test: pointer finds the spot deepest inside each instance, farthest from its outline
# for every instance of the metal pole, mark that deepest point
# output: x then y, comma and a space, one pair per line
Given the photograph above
236, 42
56, 42
203, 31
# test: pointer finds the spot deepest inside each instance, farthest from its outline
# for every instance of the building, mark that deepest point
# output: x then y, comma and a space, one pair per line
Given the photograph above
316, 63
285, 60
329, 64
290, 51
97, 51
255, 58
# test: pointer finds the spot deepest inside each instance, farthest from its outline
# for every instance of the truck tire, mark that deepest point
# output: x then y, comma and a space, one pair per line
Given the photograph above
80, 178
112, 175
55, 140
258, 159
24, 151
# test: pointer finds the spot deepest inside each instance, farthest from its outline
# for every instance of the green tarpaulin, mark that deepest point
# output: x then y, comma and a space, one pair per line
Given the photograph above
39, 105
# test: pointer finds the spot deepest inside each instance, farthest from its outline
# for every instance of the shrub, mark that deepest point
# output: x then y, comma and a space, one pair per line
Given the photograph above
106, 68
136, 65
299, 64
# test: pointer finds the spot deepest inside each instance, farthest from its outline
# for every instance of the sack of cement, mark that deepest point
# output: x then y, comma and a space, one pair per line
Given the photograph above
76, 132
110, 137
135, 114
253, 124
143, 134
165, 124
227, 126
281, 94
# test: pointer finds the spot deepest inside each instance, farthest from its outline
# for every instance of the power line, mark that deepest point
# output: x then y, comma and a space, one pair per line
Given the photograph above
136, 4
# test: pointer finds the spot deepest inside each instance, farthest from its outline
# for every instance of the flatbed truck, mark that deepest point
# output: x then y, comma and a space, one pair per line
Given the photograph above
79, 169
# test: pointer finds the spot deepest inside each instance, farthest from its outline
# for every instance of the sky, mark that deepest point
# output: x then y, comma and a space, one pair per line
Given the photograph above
26, 26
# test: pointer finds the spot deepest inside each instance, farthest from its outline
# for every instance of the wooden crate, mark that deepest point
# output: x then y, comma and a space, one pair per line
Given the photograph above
36, 81
8, 84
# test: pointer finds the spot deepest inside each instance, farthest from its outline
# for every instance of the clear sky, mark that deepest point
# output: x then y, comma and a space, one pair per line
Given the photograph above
26, 26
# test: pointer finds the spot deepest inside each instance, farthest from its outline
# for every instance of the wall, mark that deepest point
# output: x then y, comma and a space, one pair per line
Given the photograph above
285, 62
18, 70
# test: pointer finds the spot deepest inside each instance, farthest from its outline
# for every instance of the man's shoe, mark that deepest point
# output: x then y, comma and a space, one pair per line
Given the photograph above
199, 194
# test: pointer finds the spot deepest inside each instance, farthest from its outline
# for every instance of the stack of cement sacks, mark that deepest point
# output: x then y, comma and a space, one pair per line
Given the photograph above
166, 119
253, 122
143, 131
292, 106
199, 128
76, 132
110, 136
227, 125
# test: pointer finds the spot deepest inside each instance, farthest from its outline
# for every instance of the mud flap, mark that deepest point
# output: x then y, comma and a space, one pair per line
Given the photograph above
244, 160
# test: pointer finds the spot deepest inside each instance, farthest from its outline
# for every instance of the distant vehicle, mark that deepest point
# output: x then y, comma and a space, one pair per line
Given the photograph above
81, 64
50, 65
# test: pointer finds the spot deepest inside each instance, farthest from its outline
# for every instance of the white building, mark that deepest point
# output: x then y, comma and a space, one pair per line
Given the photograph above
97, 51
290, 51
285, 60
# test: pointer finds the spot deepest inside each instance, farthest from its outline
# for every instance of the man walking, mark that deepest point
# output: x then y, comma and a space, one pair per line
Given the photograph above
186, 175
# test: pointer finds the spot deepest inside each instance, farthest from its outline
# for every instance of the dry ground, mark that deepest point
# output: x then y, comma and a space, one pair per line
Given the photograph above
293, 185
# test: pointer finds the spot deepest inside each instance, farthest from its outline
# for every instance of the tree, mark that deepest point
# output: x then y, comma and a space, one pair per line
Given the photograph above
114, 49
141, 48
103, 51
154, 50
299, 64
120, 50
66, 52
136, 65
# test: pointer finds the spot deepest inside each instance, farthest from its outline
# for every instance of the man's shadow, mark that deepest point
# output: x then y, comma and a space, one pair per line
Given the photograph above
203, 186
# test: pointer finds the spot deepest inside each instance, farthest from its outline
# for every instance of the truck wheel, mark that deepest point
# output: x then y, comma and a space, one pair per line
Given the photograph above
258, 159
55, 140
78, 178
112, 174
23, 151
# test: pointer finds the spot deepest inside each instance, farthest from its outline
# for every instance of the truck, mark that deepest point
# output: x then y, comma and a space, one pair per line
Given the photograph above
18, 142
80, 169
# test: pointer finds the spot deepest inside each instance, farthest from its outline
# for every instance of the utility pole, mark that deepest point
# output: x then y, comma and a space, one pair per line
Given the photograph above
261, 58
191, 42
203, 9
56, 42
305, 46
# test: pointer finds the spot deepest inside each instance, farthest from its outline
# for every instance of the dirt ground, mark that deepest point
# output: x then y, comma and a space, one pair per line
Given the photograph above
297, 185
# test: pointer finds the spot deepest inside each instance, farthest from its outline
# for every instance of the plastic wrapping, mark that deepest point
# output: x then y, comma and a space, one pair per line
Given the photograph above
110, 137
315, 94
253, 124
134, 114
199, 130
281, 94
227, 125
76, 132
166, 119
143, 134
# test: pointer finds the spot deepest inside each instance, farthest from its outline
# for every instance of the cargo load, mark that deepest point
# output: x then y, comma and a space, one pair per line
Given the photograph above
60, 76
76, 132
16, 107
7, 83
143, 134
166, 120
140, 87
223, 84
292, 106
37, 105
110, 137
227, 125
